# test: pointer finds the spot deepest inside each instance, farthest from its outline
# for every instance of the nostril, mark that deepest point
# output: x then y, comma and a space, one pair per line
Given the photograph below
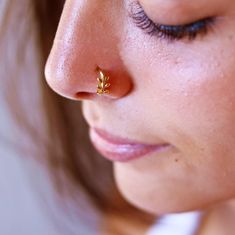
85, 95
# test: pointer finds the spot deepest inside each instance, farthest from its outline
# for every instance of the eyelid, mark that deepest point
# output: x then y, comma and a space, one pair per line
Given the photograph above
191, 30
137, 9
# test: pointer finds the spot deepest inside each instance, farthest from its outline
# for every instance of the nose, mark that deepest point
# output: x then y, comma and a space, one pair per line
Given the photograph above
88, 37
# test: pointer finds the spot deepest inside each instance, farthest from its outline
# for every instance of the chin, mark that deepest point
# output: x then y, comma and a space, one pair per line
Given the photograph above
149, 204
156, 204
156, 197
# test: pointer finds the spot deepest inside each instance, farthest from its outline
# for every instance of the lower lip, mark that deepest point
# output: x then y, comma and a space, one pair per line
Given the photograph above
123, 152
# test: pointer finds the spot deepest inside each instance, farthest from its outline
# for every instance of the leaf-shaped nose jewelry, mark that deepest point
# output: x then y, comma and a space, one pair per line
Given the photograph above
102, 82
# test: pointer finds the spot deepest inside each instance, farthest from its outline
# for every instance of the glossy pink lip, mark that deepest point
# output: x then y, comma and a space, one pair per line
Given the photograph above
119, 149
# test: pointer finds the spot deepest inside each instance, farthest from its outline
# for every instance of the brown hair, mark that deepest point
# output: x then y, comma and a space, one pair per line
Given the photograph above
63, 143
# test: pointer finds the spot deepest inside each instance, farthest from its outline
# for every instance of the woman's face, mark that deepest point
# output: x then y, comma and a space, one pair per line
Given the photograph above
180, 91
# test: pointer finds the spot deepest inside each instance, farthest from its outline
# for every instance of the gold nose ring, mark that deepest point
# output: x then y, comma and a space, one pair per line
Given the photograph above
102, 82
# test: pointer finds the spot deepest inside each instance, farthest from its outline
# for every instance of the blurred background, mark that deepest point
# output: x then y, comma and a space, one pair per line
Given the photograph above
28, 202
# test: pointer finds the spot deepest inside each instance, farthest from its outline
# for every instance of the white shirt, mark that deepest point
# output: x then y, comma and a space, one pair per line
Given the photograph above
177, 223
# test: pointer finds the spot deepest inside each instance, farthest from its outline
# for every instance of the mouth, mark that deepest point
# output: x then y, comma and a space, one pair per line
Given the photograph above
119, 149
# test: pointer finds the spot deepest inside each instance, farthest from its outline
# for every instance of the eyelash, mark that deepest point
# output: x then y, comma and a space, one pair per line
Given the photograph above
170, 32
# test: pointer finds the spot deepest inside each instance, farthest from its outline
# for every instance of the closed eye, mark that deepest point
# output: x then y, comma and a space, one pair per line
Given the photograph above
171, 32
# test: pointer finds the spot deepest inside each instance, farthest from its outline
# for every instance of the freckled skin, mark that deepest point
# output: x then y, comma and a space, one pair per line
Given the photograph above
181, 92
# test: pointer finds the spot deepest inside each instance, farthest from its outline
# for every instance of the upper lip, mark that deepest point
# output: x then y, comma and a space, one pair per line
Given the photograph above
119, 140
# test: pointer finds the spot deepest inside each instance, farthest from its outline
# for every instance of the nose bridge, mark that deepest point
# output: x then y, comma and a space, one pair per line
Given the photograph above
83, 23
85, 37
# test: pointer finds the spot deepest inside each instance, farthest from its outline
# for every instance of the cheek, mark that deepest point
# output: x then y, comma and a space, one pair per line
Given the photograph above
201, 102
190, 90
192, 103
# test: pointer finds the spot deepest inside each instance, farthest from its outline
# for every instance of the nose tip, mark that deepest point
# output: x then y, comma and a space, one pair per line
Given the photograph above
64, 81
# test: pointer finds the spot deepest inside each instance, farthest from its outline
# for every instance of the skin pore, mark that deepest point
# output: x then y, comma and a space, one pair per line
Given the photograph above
175, 91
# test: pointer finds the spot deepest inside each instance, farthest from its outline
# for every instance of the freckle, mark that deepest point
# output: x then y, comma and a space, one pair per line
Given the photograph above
176, 160
231, 37
176, 61
221, 74
216, 64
